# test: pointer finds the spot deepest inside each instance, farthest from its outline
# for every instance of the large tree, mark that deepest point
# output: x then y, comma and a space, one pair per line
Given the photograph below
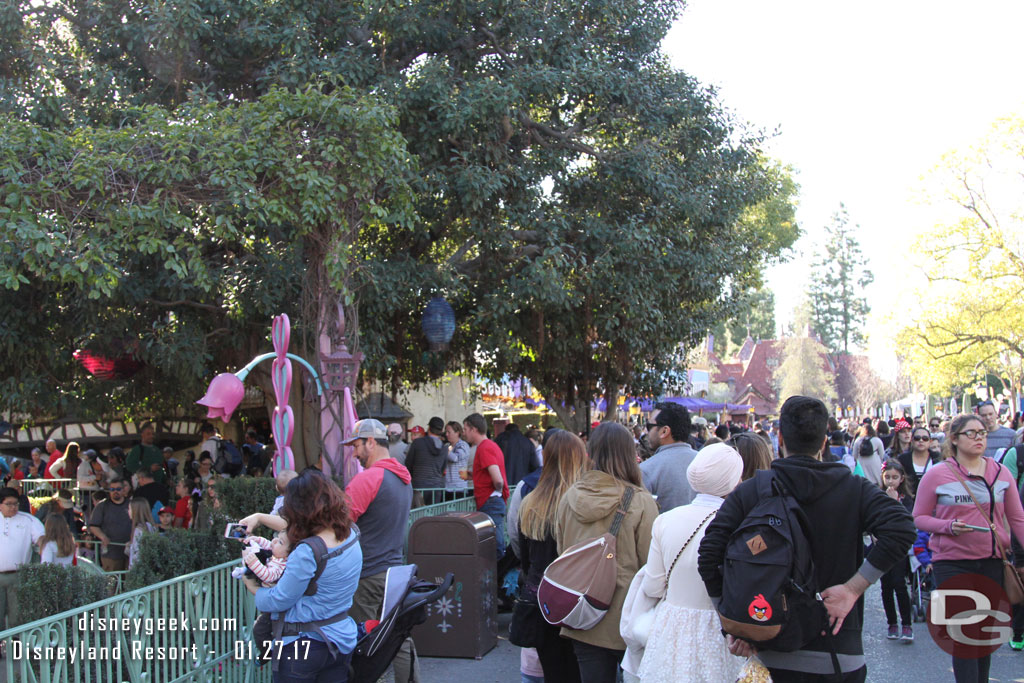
566, 185
839, 307
969, 316
804, 370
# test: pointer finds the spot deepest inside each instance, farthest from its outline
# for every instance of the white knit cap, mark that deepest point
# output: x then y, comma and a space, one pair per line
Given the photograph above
716, 470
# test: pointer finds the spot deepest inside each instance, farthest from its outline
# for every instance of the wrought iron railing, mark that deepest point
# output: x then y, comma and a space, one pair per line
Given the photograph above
205, 635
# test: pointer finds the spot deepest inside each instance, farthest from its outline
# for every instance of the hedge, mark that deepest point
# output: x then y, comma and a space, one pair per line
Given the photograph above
48, 589
179, 552
242, 496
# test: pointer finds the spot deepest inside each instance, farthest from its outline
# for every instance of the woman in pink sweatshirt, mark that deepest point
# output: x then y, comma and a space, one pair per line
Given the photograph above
945, 509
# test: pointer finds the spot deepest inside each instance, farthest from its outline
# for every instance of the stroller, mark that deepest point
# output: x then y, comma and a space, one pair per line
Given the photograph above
920, 589
405, 605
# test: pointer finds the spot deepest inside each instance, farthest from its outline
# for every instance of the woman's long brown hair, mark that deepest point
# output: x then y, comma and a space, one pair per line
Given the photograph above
613, 451
565, 461
312, 503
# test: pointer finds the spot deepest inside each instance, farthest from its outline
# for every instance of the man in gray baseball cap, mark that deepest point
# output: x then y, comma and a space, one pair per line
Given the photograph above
367, 429
379, 501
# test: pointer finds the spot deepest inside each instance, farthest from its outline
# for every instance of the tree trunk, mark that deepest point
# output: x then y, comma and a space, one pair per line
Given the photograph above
611, 399
573, 417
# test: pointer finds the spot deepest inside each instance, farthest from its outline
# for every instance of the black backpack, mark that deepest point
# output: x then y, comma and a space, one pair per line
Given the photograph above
770, 594
867, 449
229, 458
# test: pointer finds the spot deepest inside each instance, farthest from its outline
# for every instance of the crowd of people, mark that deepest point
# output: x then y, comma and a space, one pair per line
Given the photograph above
117, 496
899, 483
674, 492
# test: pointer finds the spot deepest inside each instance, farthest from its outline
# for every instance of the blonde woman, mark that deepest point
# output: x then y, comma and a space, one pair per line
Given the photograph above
565, 461
142, 522
57, 546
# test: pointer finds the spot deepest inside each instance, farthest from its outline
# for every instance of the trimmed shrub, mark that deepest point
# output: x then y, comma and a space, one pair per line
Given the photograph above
179, 552
48, 589
242, 496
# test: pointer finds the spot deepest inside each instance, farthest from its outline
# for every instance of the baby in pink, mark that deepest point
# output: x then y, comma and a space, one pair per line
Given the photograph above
270, 570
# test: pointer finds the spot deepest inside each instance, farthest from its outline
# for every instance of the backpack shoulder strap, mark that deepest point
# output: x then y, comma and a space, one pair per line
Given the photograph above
764, 479
319, 548
321, 555
627, 498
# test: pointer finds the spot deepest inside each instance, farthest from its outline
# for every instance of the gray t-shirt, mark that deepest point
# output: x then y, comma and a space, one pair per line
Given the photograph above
114, 521
664, 475
1000, 438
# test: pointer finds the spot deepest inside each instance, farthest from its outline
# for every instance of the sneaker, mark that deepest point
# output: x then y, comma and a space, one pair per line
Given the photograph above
894, 632
908, 634
1017, 643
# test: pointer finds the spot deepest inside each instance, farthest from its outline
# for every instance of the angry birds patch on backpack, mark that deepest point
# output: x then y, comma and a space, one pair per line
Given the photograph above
759, 609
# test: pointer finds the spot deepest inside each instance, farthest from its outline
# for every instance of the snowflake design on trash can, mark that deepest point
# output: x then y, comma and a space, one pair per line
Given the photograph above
445, 605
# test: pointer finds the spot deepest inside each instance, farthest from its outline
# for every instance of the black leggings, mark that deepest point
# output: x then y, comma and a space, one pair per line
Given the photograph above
969, 670
894, 582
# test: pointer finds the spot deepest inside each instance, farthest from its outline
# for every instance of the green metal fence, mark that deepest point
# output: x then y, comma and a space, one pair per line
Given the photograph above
30, 487
205, 633
190, 628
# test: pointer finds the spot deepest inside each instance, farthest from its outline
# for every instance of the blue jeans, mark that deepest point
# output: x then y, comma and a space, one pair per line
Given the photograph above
495, 509
315, 664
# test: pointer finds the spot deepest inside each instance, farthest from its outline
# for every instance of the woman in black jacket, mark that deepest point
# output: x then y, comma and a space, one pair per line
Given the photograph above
565, 461
919, 459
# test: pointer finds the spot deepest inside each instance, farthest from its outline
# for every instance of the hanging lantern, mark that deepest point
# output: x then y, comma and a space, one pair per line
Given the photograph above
101, 367
438, 323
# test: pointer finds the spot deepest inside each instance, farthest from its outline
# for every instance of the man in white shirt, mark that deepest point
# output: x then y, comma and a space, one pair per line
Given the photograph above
19, 531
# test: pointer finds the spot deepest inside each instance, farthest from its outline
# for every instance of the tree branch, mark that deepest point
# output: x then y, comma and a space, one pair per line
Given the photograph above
183, 302
563, 138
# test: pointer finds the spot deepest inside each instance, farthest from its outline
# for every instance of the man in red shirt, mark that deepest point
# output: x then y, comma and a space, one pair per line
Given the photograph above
490, 486
55, 455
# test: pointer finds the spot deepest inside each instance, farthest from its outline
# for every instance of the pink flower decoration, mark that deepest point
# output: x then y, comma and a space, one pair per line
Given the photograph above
223, 396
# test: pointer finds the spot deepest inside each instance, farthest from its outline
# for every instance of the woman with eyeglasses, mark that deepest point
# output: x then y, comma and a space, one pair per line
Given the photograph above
920, 458
966, 535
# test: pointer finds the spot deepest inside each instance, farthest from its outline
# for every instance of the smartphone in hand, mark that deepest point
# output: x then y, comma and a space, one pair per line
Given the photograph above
236, 531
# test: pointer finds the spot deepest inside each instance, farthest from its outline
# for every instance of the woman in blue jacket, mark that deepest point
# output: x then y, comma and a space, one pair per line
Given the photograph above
311, 618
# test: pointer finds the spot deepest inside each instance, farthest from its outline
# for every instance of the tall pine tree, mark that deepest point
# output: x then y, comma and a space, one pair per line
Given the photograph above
839, 308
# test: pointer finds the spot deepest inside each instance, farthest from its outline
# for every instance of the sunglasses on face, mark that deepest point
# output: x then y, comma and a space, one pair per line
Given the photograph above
652, 425
920, 437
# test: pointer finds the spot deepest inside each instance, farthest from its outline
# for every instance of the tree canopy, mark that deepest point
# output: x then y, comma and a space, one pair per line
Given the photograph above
175, 174
969, 317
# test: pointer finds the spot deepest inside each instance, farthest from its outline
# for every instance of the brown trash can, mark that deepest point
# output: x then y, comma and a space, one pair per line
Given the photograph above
464, 622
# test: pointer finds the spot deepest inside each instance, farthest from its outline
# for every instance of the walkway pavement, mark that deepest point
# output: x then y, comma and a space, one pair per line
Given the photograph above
888, 661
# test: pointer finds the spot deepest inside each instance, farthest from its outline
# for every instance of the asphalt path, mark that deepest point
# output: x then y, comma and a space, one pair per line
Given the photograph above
888, 661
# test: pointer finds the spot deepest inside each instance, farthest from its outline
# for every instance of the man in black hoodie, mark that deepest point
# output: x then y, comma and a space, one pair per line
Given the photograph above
426, 460
841, 508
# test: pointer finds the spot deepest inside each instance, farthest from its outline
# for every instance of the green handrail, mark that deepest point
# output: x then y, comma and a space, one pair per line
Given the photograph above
205, 634
215, 642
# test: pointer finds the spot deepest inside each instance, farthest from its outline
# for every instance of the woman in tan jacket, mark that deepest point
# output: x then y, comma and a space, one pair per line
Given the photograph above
586, 511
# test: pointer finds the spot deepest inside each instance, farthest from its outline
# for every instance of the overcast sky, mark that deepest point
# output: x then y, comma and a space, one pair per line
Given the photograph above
866, 98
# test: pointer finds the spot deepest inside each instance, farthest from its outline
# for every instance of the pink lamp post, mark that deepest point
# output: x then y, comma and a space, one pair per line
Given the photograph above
340, 370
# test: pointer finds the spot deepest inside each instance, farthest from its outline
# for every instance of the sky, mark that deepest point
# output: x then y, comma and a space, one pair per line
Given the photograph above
863, 100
